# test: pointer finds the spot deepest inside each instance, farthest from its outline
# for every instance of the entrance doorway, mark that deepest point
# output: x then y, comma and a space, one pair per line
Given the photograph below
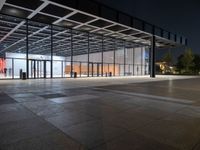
94, 69
39, 68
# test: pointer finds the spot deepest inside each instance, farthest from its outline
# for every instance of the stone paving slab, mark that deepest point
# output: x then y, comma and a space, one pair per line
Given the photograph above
50, 141
61, 100
74, 114
5, 99
93, 133
188, 90
132, 141
179, 131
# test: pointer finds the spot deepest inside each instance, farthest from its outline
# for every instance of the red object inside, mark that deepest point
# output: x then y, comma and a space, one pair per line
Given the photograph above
2, 65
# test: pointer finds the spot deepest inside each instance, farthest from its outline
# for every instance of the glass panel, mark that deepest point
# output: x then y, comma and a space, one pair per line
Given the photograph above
119, 56
129, 61
84, 70
39, 49
95, 56
108, 56
67, 68
12, 46
61, 52
58, 68
139, 61
19, 67
80, 52
6, 68
77, 68
146, 61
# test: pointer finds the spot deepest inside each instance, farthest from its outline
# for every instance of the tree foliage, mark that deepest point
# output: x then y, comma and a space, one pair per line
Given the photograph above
179, 64
168, 58
185, 62
196, 61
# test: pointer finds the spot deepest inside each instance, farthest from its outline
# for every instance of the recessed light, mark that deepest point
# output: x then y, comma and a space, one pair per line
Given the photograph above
86, 28
13, 11
68, 24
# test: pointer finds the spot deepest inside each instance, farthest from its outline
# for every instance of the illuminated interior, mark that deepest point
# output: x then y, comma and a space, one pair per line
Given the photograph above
50, 39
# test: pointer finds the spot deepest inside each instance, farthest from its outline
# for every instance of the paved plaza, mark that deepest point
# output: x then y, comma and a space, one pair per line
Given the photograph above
119, 113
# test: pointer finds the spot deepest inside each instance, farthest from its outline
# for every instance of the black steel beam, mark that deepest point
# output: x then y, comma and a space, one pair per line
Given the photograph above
102, 57
71, 54
51, 70
133, 61
152, 57
88, 60
115, 47
124, 59
13, 68
27, 51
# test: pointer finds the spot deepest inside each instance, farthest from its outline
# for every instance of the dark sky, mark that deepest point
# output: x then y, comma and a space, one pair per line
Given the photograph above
178, 16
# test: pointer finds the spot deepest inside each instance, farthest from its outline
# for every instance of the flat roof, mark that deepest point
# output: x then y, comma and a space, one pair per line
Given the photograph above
82, 15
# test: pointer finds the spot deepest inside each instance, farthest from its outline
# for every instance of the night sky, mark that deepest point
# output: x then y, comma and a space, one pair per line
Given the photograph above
177, 16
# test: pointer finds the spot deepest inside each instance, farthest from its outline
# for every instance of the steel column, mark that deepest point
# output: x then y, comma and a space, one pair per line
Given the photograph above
124, 59
152, 57
133, 61
27, 51
102, 58
114, 57
88, 67
13, 68
71, 54
51, 52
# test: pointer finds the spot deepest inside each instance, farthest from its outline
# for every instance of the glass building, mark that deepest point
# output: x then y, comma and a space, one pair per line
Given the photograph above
63, 38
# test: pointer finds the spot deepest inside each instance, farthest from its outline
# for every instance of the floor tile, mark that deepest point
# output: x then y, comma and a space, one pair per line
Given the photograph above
53, 140
53, 95
5, 99
68, 118
73, 98
176, 130
93, 133
10, 107
132, 141
15, 115
15, 131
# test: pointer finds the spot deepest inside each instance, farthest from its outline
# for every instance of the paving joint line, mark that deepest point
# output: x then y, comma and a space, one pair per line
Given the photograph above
152, 97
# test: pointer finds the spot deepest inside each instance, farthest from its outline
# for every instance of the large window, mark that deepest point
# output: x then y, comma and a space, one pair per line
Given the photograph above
44, 51
80, 53
61, 52
12, 47
119, 58
139, 61
39, 49
95, 56
108, 56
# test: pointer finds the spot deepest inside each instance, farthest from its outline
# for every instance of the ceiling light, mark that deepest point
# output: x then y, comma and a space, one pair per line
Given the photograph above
13, 11
68, 24
86, 28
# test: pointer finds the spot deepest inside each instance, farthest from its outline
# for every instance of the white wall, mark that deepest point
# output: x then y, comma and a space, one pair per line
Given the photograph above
138, 57
139, 61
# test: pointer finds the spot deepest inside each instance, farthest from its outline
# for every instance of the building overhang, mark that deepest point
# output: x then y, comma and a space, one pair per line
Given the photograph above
84, 15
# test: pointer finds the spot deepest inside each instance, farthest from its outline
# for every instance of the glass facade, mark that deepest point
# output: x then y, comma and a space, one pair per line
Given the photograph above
50, 51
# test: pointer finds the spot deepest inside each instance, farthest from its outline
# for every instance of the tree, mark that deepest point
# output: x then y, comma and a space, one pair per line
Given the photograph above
168, 58
187, 60
179, 64
196, 61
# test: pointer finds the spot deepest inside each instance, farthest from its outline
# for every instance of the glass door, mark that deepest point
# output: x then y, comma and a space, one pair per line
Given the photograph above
94, 69
98, 69
39, 68
91, 65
